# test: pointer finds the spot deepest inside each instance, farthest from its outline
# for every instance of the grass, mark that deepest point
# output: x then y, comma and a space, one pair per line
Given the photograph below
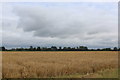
57, 64
108, 73
0, 65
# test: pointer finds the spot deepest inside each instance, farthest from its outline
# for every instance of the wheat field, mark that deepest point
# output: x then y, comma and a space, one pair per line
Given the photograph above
0, 65
47, 64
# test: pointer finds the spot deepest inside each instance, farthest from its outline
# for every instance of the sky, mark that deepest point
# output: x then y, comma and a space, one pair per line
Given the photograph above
92, 24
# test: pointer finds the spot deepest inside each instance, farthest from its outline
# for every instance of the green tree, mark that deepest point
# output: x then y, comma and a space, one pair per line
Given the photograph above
38, 49
115, 49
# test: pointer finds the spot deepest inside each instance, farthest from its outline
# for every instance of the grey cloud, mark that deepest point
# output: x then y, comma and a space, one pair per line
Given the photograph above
61, 26
53, 22
50, 22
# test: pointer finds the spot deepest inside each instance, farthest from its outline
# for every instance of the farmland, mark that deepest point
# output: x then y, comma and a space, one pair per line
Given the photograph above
57, 64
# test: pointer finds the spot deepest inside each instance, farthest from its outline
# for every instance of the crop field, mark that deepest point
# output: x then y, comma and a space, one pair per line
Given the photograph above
58, 64
0, 65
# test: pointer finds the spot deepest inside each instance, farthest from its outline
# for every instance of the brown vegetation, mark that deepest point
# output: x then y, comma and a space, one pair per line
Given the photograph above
54, 64
0, 65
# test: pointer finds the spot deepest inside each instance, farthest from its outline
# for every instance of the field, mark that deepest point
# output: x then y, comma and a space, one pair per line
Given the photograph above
0, 65
48, 64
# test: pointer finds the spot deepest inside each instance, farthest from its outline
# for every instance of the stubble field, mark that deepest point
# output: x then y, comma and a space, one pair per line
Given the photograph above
56, 64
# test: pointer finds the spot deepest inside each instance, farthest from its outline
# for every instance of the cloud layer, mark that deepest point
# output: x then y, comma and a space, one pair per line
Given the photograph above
72, 24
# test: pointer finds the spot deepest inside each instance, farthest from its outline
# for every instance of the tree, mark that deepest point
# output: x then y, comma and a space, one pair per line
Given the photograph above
115, 49
83, 48
64, 48
119, 49
34, 49
69, 48
54, 48
60, 48
98, 49
108, 49
3, 48
31, 48
44, 48
38, 49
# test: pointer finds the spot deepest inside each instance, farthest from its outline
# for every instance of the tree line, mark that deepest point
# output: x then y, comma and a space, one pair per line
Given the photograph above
54, 48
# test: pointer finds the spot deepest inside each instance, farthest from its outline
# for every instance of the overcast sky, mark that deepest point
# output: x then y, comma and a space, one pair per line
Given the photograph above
60, 24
